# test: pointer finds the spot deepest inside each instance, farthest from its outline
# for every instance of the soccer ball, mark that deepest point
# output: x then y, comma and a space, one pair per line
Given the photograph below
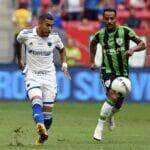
121, 85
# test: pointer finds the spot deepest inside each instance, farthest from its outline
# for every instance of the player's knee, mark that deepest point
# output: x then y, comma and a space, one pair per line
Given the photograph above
35, 93
37, 101
51, 95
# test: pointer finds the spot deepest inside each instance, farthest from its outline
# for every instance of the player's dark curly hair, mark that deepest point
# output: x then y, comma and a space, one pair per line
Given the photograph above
110, 10
46, 16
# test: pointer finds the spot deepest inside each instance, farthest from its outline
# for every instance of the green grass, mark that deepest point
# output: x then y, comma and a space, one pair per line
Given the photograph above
73, 127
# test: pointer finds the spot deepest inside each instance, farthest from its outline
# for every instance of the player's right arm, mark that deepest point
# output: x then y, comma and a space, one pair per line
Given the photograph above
21, 38
93, 47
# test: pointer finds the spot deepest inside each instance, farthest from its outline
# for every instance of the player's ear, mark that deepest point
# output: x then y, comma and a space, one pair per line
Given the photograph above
40, 22
103, 17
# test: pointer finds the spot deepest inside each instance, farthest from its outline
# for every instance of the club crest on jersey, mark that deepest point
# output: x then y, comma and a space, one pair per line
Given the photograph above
119, 41
49, 44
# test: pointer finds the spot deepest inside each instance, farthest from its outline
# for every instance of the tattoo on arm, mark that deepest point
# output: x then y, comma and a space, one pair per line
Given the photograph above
136, 40
139, 42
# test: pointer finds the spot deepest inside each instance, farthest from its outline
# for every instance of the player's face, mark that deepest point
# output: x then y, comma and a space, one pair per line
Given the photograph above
45, 27
109, 19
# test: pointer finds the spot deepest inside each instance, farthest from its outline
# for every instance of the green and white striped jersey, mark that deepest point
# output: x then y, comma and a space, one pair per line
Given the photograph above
114, 45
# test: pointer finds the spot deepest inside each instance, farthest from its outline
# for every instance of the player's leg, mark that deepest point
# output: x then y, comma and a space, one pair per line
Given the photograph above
105, 112
35, 96
48, 110
49, 94
107, 107
116, 108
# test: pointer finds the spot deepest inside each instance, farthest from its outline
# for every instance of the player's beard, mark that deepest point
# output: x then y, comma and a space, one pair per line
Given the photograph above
42, 32
45, 34
111, 27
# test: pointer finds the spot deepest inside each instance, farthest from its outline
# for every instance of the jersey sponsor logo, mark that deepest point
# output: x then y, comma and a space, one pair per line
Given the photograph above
108, 51
39, 53
119, 41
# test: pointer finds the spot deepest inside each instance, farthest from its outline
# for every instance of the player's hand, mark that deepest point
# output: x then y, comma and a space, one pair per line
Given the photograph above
21, 64
93, 66
129, 53
65, 70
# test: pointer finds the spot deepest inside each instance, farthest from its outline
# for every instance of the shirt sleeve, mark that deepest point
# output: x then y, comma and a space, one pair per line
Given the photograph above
131, 34
59, 44
22, 36
95, 39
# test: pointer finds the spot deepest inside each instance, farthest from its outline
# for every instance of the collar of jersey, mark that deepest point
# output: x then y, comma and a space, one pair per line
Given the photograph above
34, 30
112, 32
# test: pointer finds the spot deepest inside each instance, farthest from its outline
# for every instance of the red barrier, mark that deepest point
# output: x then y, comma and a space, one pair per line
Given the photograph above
81, 38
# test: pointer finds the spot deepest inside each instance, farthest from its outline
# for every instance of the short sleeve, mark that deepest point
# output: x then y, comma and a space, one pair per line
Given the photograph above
131, 33
22, 36
59, 44
95, 39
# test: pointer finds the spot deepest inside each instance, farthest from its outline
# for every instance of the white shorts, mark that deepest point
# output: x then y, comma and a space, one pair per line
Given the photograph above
42, 85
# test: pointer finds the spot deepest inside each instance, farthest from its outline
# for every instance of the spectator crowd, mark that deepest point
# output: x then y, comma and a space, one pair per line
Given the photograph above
133, 13
76, 10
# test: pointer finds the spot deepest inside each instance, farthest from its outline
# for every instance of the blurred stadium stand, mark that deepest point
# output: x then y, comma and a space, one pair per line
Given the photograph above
6, 32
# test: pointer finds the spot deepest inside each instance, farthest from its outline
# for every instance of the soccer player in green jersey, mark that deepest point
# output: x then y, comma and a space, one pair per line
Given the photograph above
114, 40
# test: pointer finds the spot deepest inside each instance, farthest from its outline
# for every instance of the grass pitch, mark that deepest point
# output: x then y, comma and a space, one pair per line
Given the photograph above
73, 127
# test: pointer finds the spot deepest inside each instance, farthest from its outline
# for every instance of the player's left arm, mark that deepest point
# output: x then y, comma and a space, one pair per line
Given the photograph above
62, 53
140, 44
64, 66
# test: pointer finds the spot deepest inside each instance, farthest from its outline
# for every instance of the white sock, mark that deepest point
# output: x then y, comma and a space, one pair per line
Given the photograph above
101, 124
106, 110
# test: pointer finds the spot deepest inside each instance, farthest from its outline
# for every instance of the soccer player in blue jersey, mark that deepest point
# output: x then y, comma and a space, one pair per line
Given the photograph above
40, 74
